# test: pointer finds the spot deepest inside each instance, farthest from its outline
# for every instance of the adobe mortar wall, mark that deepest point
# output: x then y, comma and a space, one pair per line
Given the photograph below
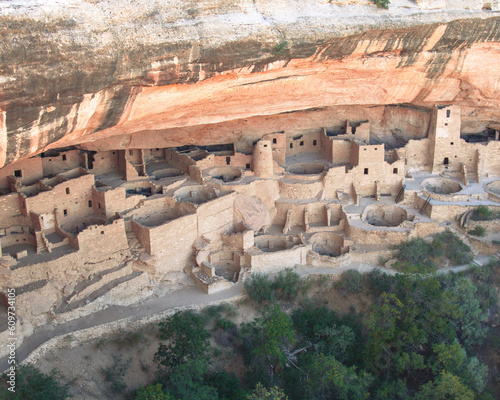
269, 262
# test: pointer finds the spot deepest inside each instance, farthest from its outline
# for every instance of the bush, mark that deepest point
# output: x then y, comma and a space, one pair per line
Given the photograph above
286, 285
478, 231
415, 252
351, 281
187, 339
115, 374
383, 3
483, 213
452, 248
33, 384
260, 289
378, 281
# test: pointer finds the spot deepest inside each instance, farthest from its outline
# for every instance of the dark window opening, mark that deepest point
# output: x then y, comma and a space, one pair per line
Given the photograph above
65, 212
67, 190
64, 157
247, 166
102, 232
99, 206
228, 160
302, 143
150, 151
364, 149
446, 124
448, 113
114, 152
275, 141
157, 149
18, 173
265, 145
366, 171
446, 161
395, 170
131, 152
451, 143
315, 142
376, 148
90, 203
291, 145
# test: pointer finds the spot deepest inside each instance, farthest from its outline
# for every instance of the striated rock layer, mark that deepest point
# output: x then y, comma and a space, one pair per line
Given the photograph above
144, 74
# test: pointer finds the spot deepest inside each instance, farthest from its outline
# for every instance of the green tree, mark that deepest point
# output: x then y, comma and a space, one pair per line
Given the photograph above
32, 384
153, 392
469, 318
261, 393
328, 378
187, 339
187, 382
277, 335
445, 387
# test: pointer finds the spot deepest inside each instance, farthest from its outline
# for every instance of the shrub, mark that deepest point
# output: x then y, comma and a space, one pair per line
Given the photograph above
286, 285
452, 247
351, 281
187, 339
478, 231
482, 213
115, 374
378, 281
260, 289
152, 392
225, 324
415, 251
33, 384
383, 3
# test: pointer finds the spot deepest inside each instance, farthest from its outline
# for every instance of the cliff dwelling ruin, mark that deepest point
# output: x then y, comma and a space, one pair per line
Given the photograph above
81, 229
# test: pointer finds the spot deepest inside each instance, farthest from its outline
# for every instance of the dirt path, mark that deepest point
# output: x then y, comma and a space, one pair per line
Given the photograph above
183, 298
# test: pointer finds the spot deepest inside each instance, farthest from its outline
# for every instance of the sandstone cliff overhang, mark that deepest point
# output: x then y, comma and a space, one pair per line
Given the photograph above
84, 71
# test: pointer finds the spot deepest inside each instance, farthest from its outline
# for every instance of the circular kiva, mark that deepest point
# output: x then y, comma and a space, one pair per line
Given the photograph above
441, 185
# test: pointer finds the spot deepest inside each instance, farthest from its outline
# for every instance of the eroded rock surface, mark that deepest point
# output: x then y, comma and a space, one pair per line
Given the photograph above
114, 74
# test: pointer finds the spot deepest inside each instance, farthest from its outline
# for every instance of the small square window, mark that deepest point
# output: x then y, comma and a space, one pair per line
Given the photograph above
446, 124
376, 148
18, 173
65, 212
302, 143
291, 145
157, 149
395, 171
315, 142
364, 149
102, 232
64, 157
265, 145
452, 143
275, 141
67, 190
366, 171
247, 166
114, 152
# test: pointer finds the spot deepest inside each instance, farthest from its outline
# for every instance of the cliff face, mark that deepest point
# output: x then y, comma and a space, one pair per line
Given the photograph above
112, 73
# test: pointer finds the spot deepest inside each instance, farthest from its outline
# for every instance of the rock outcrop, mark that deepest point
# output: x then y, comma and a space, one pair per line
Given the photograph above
118, 74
